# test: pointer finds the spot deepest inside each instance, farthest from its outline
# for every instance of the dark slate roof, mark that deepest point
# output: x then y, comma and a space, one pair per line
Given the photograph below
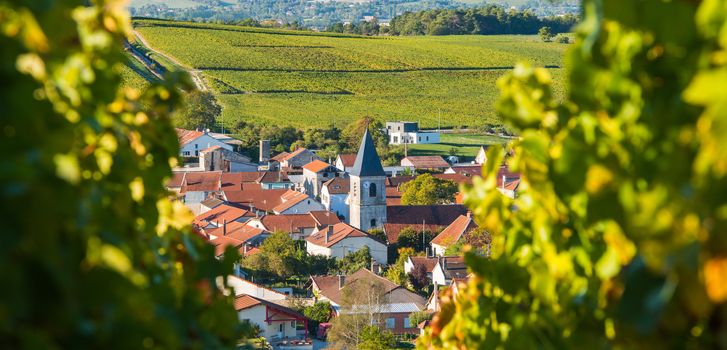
367, 162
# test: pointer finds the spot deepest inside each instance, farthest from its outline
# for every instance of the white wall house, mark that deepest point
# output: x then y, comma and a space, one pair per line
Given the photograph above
333, 196
192, 142
400, 138
342, 239
294, 202
275, 321
242, 286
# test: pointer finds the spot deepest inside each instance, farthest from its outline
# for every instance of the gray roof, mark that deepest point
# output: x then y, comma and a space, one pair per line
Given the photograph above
367, 162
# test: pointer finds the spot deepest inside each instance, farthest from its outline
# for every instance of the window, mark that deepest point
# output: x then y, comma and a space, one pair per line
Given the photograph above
373, 222
196, 146
427, 138
196, 153
407, 322
281, 327
396, 139
372, 190
292, 324
390, 323
186, 153
419, 139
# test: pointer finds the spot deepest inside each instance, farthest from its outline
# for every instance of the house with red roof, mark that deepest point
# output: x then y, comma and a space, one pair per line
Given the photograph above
431, 218
294, 202
425, 163
452, 234
296, 159
316, 173
341, 239
222, 214
344, 162
217, 158
192, 142
394, 312
299, 226
276, 322
448, 269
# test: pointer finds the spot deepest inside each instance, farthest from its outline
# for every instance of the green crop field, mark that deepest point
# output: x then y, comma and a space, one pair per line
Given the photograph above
466, 145
316, 79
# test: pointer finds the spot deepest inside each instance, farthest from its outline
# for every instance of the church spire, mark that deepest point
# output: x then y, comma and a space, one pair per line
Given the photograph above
367, 162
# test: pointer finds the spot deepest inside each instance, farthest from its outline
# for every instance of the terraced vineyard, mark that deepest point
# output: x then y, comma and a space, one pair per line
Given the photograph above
304, 79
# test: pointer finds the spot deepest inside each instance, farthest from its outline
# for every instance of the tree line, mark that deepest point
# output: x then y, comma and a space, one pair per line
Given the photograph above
487, 20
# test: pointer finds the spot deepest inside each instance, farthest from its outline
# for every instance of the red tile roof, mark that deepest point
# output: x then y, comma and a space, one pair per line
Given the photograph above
512, 185
234, 181
335, 234
456, 178
252, 251
187, 136
348, 159
220, 214
258, 198
428, 261
238, 231
208, 149
338, 185
207, 181
316, 166
280, 157
288, 223
292, 154
454, 231
434, 218
328, 285
426, 162
222, 242
272, 177
289, 199
325, 217
176, 180
393, 196
469, 170
244, 301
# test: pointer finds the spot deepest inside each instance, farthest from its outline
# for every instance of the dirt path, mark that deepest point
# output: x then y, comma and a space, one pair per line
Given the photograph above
196, 74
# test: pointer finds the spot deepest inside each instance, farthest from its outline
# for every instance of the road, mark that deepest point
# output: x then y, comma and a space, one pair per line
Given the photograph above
196, 74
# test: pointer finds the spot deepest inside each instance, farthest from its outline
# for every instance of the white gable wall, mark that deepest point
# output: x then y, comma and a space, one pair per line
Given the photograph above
193, 148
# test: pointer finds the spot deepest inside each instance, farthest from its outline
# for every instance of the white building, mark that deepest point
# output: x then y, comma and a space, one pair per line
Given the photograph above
192, 142
447, 269
316, 173
408, 132
275, 321
341, 239
334, 194
294, 202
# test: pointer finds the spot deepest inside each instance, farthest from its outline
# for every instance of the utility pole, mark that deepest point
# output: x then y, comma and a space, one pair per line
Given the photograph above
439, 120
423, 244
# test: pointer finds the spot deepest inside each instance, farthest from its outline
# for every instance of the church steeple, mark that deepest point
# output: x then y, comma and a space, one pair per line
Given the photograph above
367, 196
367, 162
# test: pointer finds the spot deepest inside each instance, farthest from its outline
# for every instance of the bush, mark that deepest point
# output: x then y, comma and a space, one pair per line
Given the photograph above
562, 39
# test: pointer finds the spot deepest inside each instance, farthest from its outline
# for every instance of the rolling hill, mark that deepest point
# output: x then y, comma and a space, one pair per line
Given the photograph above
305, 78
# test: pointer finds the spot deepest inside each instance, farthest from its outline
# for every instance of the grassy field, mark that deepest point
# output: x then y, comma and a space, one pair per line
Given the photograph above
316, 79
467, 145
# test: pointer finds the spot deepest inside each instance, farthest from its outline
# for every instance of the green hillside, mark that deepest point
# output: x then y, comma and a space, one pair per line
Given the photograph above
303, 78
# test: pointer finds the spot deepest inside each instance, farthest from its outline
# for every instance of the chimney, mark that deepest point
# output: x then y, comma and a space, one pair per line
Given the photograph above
341, 280
469, 213
264, 151
327, 234
224, 227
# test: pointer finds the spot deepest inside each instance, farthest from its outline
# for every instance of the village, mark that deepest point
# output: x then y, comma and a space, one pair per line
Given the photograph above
344, 221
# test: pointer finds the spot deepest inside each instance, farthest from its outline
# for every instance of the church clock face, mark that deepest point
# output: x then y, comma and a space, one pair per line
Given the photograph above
366, 185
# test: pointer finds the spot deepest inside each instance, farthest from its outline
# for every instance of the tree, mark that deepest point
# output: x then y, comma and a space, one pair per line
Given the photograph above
362, 306
373, 338
562, 39
94, 252
618, 238
353, 133
428, 190
418, 278
200, 110
355, 261
545, 34
418, 317
410, 237
395, 273
319, 312
277, 256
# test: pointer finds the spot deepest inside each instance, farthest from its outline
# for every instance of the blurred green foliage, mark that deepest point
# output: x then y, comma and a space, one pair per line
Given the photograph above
618, 240
93, 253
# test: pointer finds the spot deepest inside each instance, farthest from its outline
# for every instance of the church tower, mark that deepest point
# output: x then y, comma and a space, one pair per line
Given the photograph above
367, 196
